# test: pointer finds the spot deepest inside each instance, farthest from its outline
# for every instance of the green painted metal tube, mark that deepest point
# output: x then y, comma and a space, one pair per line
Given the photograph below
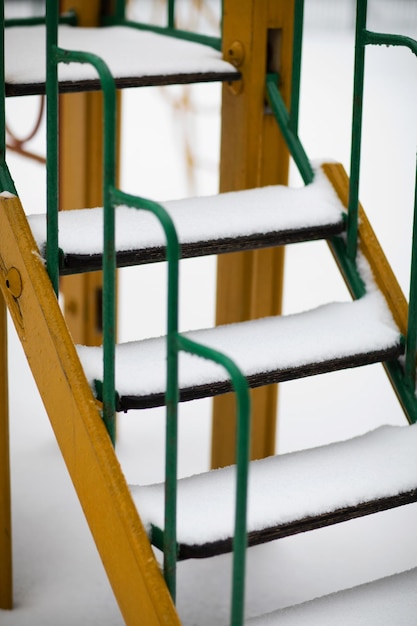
293, 142
411, 340
356, 138
383, 39
52, 185
171, 13
296, 65
405, 393
2, 90
173, 255
120, 10
55, 56
242, 457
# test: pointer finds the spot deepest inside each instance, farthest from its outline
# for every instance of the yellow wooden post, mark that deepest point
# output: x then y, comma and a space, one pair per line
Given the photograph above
6, 582
253, 153
81, 149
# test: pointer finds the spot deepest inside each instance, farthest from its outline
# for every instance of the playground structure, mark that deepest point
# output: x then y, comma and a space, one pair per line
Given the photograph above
139, 588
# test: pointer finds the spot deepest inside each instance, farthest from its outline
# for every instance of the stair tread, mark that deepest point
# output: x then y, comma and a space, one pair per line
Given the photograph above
332, 336
135, 58
376, 467
225, 222
389, 600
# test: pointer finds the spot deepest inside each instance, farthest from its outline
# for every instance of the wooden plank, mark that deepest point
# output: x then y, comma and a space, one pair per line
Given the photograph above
260, 379
6, 574
272, 533
77, 263
85, 445
30, 89
253, 154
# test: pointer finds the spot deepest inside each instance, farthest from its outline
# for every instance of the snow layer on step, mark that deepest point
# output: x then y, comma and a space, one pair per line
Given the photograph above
328, 332
268, 209
291, 486
127, 51
391, 601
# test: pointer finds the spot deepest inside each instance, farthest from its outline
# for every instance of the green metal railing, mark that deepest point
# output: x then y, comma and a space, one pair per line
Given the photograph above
404, 379
345, 247
118, 18
113, 197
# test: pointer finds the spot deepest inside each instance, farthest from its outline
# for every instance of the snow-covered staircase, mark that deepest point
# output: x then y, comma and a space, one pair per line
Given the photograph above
157, 59
285, 493
229, 222
267, 351
289, 493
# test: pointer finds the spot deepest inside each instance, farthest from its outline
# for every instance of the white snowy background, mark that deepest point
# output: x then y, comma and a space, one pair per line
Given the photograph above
58, 576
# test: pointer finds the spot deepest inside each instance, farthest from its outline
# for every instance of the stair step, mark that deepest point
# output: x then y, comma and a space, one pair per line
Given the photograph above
135, 57
228, 222
289, 493
391, 600
269, 350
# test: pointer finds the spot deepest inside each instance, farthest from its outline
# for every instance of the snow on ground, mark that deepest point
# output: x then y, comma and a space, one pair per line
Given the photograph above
58, 575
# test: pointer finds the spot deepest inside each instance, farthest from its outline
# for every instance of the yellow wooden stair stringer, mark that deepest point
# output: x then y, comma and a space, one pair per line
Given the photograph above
120, 537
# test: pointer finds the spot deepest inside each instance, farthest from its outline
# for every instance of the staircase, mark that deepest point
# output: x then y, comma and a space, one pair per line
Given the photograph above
82, 386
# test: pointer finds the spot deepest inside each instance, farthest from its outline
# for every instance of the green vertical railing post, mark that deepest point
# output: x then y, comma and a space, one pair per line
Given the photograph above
171, 397
52, 134
411, 339
355, 155
296, 65
2, 90
109, 169
241, 389
120, 9
171, 13
292, 140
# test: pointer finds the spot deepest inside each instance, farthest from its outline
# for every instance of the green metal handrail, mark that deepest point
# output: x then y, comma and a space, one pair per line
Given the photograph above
345, 248
118, 18
290, 135
405, 380
242, 461
411, 341
113, 197
363, 38
296, 65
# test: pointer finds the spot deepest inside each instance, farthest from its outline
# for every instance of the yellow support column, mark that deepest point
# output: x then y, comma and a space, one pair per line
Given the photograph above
257, 36
81, 149
6, 582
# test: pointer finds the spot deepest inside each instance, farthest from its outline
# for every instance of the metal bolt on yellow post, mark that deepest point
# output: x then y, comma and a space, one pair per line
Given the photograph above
257, 37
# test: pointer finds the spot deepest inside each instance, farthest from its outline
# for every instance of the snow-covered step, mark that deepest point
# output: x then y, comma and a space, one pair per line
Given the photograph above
228, 222
275, 349
289, 493
135, 58
389, 601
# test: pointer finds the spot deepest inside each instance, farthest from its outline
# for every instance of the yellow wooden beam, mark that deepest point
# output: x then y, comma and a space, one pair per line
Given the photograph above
253, 154
97, 477
371, 249
6, 574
